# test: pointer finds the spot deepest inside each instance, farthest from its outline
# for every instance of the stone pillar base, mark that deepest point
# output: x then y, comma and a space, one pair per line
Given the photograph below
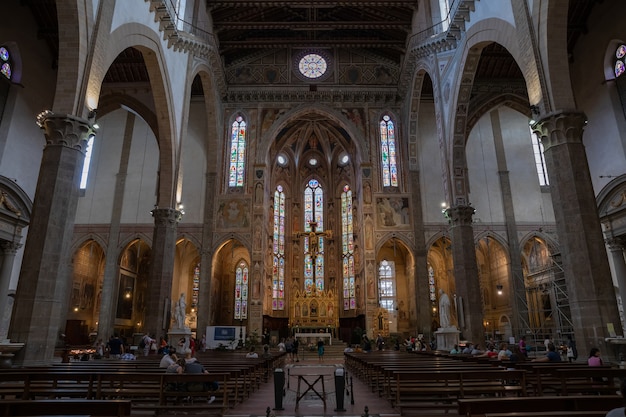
174, 337
447, 338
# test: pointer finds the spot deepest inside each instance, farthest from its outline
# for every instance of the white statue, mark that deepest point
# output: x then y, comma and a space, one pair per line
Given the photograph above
180, 311
444, 310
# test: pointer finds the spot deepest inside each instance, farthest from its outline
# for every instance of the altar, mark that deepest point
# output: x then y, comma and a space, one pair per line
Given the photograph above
313, 310
304, 337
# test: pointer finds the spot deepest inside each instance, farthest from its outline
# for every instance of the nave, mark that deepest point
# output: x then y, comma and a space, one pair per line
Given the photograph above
385, 383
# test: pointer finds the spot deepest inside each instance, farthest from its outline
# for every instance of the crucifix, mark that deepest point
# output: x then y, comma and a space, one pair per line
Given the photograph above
313, 248
314, 239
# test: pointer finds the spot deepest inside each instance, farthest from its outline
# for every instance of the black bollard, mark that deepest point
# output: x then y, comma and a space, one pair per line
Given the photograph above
279, 386
340, 382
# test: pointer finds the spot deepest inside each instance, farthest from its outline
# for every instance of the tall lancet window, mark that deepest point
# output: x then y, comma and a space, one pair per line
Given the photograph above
241, 291
278, 250
388, 152
387, 285
347, 249
313, 241
237, 153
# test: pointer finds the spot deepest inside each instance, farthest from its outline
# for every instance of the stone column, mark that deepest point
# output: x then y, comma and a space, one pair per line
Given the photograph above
517, 290
44, 285
616, 248
159, 293
9, 249
206, 261
470, 314
419, 300
106, 317
585, 262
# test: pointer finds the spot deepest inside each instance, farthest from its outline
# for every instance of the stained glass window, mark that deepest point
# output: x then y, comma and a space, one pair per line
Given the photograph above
312, 66
431, 284
313, 251
347, 249
278, 251
6, 67
620, 60
388, 152
195, 290
237, 153
387, 285
241, 291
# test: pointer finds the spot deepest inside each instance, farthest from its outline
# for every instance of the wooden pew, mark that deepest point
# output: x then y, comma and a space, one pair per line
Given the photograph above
109, 408
589, 413
441, 389
543, 379
589, 380
481, 406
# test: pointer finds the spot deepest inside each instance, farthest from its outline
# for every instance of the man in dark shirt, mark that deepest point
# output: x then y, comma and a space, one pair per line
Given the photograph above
116, 347
195, 367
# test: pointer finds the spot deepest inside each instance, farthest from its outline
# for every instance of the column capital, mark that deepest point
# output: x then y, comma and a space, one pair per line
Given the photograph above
460, 215
65, 130
166, 216
9, 247
560, 127
616, 244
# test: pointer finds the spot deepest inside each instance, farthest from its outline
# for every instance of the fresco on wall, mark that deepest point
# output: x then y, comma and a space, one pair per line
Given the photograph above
392, 212
233, 213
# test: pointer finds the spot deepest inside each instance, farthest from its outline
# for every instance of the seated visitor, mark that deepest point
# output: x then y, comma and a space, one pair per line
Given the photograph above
196, 367
551, 356
468, 349
504, 352
252, 353
476, 350
266, 352
168, 359
594, 357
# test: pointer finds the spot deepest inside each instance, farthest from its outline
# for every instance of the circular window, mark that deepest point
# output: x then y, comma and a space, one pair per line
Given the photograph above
312, 66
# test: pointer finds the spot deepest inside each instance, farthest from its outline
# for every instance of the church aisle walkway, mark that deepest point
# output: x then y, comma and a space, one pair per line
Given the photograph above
310, 404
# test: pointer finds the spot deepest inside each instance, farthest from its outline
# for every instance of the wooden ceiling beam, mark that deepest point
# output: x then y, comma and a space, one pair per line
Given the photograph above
346, 43
345, 25
309, 4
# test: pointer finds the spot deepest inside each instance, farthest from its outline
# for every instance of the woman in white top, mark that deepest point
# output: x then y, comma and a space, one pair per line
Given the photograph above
281, 345
252, 353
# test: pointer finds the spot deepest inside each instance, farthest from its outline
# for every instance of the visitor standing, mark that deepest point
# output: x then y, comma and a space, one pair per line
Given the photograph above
320, 350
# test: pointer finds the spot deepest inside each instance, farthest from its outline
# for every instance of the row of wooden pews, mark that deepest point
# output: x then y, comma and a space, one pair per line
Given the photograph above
436, 381
141, 382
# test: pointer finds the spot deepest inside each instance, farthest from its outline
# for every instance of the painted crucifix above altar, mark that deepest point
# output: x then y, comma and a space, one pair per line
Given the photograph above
314, 256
